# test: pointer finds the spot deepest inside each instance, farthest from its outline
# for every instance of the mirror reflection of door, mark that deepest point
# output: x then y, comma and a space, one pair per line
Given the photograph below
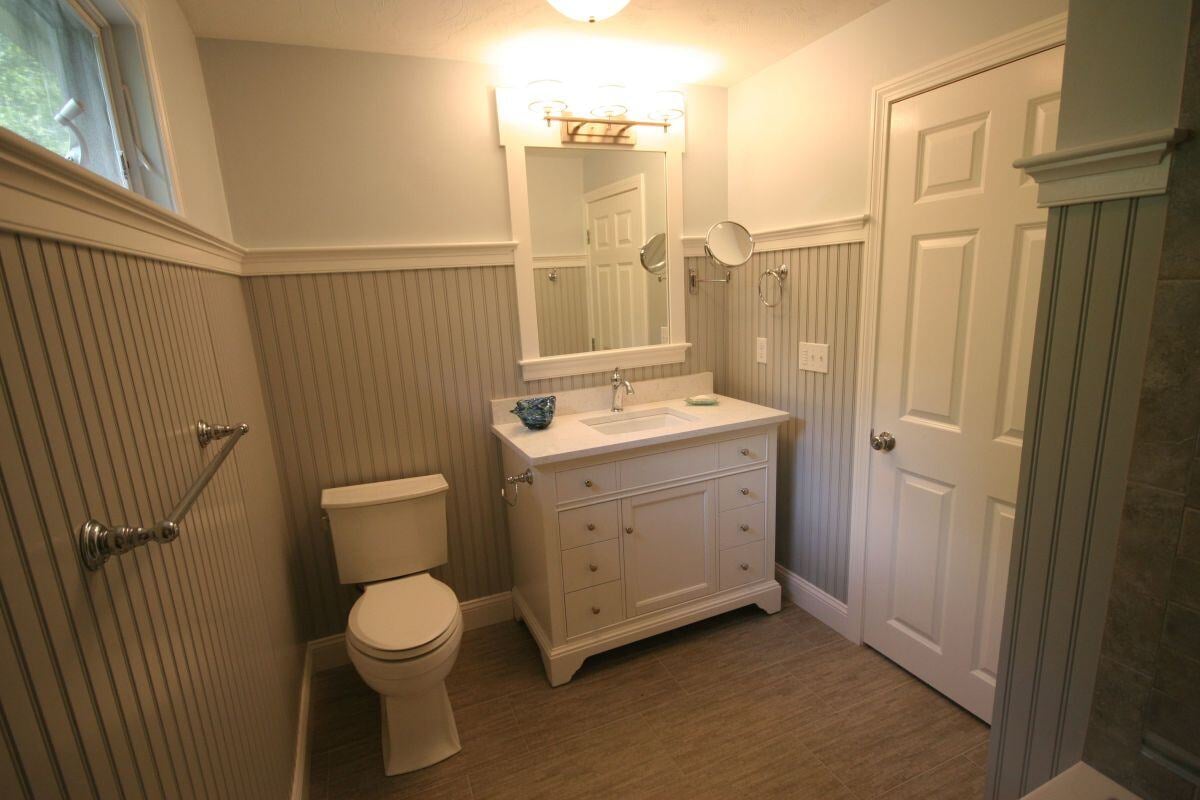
617, 283
591, 211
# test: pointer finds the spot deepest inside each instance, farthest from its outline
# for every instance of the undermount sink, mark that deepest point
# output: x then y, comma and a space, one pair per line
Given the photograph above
619, 422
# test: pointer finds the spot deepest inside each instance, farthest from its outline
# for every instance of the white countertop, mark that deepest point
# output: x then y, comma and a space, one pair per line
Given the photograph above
568, 438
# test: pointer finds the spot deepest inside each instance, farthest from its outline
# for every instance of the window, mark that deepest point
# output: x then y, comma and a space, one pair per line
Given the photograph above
62, 87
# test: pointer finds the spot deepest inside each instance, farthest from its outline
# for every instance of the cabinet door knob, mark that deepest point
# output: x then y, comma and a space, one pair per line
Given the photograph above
744, 527
744, 566
593, 567
629, 530
595, 609
744, 491
744, 451
591, 526
588, 483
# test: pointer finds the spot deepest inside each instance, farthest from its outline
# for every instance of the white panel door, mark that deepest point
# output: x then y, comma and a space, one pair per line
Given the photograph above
962, 255
669, 546
618, 282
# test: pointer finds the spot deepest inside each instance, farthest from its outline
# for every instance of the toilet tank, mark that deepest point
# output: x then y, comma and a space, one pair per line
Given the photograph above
388, 529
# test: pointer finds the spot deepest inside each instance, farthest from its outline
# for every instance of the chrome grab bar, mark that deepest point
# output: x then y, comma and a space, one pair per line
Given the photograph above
98, 541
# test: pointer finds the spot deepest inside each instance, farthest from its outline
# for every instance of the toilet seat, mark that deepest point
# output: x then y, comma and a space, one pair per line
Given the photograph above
403, 618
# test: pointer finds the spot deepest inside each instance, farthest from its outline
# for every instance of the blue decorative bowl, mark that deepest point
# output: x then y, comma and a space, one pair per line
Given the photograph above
536, 412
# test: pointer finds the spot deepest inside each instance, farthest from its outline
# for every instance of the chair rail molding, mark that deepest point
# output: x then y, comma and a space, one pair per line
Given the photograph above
1132, 166
808, 234
375, 258
43, 194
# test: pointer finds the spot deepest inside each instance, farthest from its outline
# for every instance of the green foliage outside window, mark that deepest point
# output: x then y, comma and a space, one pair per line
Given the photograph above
29, 99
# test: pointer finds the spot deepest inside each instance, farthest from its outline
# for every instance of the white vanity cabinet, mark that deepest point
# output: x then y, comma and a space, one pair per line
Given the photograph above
608, 549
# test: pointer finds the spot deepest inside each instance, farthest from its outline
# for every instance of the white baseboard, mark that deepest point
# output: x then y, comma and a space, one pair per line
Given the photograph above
300, 764
822, 605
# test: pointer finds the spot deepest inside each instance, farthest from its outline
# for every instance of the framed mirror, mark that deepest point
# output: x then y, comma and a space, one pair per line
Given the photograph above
598, 250
591, 214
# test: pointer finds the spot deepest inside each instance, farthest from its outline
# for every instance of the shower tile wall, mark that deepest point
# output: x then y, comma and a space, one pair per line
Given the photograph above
173, 670
377, 375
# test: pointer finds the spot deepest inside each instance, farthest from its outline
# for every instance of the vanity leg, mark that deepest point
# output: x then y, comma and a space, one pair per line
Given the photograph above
560, 670
771, 602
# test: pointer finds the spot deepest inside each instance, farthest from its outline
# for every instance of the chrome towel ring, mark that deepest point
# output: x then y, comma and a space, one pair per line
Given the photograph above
780, 273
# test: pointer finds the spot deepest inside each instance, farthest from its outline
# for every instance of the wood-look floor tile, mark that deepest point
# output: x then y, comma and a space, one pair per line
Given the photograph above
731, 652
780, 767
546, 715
720, 722
623, 759
878, 745
979, 755
844, 674
957, 779
495, 661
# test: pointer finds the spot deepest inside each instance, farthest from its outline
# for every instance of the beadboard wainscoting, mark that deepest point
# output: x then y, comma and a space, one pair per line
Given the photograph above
173, 671
562, 309
377, 375
820, 304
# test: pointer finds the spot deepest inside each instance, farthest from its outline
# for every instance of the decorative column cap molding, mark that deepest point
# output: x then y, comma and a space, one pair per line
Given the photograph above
1131, 166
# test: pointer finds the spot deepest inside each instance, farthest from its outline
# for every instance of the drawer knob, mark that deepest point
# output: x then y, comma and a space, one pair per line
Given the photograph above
595, 609
744, 527
745, 451
744, 490
588, 483
591, 526
629, 530
744, 566
593, 567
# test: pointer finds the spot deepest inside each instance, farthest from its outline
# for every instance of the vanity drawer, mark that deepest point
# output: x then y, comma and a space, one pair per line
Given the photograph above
741, 564
741, 525
587, 525
672, 464
584, 482
746, 450
735, 491
595, 607
590, 565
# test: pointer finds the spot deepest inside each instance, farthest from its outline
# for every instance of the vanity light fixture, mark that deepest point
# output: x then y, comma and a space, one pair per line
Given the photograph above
668, 105
547, 97
609, 101
608, 123
589, 10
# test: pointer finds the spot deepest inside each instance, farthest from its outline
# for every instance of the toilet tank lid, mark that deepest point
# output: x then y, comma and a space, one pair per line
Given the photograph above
369, 494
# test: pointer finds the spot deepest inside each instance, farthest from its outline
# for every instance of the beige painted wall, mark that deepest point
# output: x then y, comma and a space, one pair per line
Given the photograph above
799, 130
172, 48
323, 147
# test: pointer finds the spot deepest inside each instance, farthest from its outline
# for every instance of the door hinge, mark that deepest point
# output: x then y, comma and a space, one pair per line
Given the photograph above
589, 236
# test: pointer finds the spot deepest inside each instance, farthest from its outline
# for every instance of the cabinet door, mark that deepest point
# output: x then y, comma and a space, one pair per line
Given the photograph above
669, 546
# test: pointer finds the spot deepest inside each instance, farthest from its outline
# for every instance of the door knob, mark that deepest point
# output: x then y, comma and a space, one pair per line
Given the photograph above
744, 451
745, 567
744, 491
588, 483
744, 527
884, 441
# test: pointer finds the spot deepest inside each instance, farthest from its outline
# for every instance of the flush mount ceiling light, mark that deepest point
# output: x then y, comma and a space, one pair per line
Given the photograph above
589, 10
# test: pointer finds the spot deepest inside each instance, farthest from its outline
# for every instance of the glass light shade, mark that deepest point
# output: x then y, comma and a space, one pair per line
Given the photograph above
589, 10
610, 101
546, 97
668, 105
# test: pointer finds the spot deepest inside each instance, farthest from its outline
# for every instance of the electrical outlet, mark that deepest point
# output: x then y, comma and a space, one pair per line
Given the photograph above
814, 357
760, 350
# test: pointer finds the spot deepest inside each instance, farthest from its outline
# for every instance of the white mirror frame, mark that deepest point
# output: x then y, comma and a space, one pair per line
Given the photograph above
520, 129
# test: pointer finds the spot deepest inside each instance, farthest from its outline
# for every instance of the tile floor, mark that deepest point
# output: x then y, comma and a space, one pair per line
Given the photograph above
743, 705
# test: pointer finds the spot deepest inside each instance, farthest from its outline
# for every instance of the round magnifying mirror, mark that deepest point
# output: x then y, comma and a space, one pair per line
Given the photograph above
654, 254
729, 244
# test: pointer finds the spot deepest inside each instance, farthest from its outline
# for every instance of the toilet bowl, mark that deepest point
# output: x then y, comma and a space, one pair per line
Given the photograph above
403, 637
405, 629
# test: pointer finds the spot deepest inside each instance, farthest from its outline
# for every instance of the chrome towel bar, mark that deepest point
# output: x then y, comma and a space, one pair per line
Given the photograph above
98, 541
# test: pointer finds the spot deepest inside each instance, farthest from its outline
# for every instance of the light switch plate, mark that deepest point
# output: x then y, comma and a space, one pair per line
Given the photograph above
814, 357
760, 350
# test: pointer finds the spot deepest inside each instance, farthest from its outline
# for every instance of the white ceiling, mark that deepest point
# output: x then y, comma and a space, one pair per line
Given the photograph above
728, 40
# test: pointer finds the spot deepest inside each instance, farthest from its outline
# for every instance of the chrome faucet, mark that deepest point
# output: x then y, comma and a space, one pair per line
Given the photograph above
619, 383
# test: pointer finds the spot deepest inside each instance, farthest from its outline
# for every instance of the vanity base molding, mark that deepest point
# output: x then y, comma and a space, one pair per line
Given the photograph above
562, 662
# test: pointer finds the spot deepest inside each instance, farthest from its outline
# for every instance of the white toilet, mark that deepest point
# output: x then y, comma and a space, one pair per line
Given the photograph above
404, 631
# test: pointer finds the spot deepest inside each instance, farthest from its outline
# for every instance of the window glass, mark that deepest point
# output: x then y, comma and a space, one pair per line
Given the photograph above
52, 85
